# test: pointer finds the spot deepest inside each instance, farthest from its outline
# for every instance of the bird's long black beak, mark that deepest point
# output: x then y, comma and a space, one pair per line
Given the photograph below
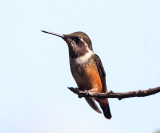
59, 35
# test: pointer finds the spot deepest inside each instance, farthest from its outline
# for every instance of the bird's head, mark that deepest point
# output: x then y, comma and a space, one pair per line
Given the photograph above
78, 43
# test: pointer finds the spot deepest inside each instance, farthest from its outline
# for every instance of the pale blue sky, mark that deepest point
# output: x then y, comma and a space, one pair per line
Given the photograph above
35, 72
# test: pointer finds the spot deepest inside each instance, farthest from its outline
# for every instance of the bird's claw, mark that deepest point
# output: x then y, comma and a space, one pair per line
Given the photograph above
88, 92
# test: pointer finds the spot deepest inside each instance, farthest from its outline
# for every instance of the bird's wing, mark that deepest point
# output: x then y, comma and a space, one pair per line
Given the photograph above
101, 73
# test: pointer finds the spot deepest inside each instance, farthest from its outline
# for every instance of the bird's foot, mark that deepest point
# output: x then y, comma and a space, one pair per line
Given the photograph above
88, 92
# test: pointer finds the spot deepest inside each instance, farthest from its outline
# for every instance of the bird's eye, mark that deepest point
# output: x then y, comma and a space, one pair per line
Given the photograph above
76, 39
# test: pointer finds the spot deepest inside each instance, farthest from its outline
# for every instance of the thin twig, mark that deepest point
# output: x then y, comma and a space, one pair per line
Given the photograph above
111, 94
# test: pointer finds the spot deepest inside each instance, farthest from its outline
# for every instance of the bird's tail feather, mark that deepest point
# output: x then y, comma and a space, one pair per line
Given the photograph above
105, 107
92, 103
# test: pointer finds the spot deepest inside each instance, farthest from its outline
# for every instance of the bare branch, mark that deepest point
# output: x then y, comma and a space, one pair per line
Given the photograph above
111, 94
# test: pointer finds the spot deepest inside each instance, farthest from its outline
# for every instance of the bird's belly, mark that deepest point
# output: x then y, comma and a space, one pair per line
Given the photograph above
87, 77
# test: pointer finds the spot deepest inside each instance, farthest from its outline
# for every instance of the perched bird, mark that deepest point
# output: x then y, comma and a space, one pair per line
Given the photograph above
87, 69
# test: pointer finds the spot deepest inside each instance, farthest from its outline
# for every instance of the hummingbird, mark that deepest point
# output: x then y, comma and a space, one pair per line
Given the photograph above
86, 68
